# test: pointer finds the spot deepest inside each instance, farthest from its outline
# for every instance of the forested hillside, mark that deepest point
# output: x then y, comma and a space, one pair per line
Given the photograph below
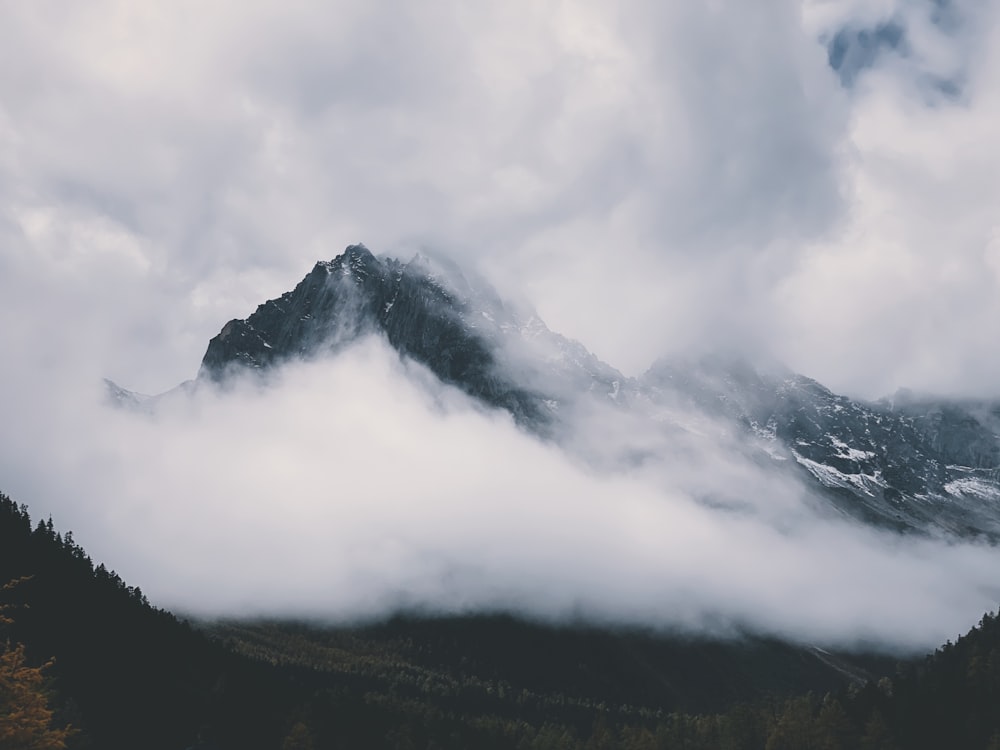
124, 674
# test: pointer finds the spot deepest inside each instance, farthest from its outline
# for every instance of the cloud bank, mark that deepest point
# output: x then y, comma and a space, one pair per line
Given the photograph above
651, 176
348, 488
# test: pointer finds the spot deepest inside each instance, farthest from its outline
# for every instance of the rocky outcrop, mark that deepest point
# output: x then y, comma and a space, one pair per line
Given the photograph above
428, 311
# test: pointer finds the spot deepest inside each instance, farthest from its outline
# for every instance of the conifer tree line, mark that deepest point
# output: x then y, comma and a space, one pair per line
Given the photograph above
87, 662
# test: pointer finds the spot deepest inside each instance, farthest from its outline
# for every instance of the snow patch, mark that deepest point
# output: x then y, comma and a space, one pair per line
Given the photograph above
852, 454
831, 477
973, 487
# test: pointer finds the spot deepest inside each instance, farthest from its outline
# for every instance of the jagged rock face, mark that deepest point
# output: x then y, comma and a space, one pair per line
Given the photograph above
920, 465
429, 312
323, 310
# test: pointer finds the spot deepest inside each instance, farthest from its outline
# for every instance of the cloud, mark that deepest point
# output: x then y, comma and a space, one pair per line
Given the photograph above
348, 487
905, 291
700, 171
652, 177
549, 142
850, 52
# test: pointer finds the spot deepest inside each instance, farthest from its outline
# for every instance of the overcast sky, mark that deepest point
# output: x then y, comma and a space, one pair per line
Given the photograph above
818, 180
650, 175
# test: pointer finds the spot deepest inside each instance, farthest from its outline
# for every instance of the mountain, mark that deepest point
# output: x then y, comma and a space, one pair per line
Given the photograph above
911, 464
428, 311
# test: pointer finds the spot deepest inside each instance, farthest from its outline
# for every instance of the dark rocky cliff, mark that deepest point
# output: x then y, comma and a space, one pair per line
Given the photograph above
422, 315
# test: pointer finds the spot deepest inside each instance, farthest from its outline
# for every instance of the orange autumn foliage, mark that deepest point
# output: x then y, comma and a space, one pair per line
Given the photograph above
25, 715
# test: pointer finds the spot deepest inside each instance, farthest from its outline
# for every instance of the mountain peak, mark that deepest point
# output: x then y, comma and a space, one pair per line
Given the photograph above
358, 256
358, 249
918, 464
355, 258
425, 309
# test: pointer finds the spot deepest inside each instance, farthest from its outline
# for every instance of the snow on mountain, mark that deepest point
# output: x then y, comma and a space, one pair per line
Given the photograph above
890, 463
919, 465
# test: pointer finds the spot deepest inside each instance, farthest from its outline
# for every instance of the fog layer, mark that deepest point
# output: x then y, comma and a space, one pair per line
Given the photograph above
650, 175
350, 487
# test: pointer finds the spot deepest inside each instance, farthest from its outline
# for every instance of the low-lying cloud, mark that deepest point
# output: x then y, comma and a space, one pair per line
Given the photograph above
350, 487
650, 175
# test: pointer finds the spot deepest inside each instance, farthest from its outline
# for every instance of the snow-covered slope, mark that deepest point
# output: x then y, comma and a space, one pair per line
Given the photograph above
930, 464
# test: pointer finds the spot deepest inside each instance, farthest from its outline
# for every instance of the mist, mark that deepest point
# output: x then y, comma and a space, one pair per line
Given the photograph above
652, 177
353, 487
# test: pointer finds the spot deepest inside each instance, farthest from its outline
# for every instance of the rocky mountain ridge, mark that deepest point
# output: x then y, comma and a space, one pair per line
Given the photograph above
428, 311
911, 464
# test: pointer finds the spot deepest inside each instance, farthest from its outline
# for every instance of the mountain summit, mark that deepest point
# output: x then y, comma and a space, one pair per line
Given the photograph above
910, 464
429, 311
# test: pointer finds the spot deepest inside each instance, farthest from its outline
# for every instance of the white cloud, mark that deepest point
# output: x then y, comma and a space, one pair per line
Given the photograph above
641, 138
651, 176
350, 486
903, 295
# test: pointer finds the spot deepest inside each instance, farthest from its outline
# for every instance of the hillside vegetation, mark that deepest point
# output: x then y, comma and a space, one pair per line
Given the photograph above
91, 664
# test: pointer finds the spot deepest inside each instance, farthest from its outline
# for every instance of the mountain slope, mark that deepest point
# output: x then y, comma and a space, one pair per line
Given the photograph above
131, 676
914, 465
427, 311
126, 674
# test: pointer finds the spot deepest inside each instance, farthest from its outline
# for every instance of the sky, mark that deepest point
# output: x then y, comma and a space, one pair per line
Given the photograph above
651, 176
813, 179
